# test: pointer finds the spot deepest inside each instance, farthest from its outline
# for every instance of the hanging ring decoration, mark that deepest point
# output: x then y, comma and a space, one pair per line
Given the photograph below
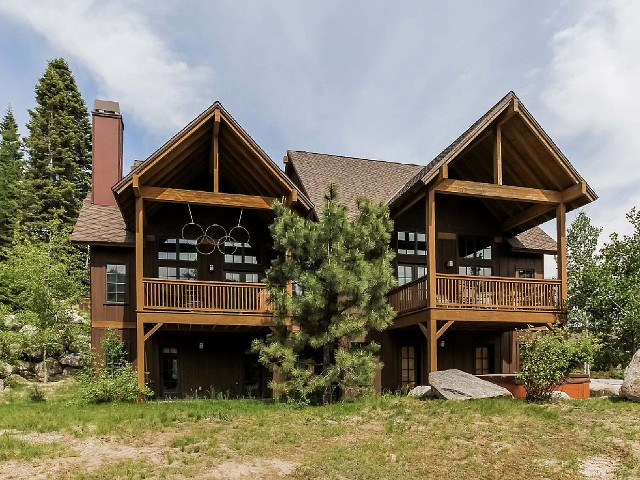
215, 236
192, 231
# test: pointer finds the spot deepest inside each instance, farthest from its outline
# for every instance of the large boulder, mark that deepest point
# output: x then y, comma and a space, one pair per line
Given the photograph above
52, 367
604, 387
72, 360
631, 384
421, 392
458, 385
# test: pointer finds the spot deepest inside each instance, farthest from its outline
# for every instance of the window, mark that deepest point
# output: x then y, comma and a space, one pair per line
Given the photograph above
244, 253
525, 273
177, 249
475, 248
116, 283
408, 366
482, 361
407, 273
170, 373
411, 243
178, 273
475, 270
250, 277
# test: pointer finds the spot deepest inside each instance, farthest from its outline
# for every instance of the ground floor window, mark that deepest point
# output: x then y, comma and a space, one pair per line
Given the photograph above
170, 372
482, 360
408, 364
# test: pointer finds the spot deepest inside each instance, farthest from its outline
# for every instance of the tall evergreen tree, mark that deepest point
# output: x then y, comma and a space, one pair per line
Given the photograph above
341, 271
58, 172
11, 166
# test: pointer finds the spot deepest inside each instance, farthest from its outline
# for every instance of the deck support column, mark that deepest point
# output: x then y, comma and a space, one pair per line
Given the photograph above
139, 286
140, 353
561, 223
432, 326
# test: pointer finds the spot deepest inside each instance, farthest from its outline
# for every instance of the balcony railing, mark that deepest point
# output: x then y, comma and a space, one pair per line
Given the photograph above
473, 292
208, 297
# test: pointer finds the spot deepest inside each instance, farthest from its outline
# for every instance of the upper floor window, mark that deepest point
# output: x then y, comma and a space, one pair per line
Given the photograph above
475, 270
475, 247
249, 277
116, 282
178, 273
407, 273
525, 273
411, 243
244, 253
177, 249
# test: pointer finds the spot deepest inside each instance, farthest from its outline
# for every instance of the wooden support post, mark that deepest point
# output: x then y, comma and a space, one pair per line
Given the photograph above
139, 253
431, 247
561, 221
215, 151
497, 156
140, 353
432, 347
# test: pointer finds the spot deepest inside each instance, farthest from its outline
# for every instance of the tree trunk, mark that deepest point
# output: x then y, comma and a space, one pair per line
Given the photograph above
44, 360
326, 364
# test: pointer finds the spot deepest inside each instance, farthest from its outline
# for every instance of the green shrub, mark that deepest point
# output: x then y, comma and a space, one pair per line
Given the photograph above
113, 380
119, 384
36, 394
548, 358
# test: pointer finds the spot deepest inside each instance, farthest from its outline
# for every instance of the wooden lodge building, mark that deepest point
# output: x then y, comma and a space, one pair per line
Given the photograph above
179, 246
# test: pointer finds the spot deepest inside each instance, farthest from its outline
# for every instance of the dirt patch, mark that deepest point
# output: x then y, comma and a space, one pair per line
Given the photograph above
601, 468
256, 469
80, 454
93, 453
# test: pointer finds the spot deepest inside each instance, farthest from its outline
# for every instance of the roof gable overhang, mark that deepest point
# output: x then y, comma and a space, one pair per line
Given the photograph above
533, 168
214, 152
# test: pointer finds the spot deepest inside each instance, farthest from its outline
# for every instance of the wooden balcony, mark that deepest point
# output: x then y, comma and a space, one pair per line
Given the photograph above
480, 294
211, 303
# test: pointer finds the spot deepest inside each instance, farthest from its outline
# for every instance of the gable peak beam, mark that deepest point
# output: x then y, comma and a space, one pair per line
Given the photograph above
497, 156
215, 151
499, 192
175, 195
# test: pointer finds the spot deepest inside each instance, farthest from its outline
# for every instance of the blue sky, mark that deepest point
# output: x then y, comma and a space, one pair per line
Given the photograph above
391, 80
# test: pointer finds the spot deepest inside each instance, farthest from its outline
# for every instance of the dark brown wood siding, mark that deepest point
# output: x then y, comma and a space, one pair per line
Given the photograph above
221, 366
457, 216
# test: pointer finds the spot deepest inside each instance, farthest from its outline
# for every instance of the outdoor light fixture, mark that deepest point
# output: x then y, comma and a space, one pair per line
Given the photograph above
442, 343
201, 346
449, 263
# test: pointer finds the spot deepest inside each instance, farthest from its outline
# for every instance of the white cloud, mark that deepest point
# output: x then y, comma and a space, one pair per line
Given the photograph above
129, 61
592, 91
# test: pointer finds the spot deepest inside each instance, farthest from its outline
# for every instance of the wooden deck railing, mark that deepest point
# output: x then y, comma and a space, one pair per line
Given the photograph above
473, 292
208, 297
462, 291
410, 296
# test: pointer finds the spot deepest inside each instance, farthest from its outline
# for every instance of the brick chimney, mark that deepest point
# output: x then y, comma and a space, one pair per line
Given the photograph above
107, 151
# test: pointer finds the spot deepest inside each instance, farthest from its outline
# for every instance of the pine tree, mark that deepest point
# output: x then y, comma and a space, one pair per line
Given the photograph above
58, 172
11, 166
341, 272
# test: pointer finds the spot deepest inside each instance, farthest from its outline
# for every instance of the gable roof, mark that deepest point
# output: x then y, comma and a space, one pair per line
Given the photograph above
429, 172
101, 225
354, 177
196, 137
378, 180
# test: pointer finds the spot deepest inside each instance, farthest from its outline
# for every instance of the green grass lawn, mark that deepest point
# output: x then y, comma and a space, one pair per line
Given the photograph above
384, 437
